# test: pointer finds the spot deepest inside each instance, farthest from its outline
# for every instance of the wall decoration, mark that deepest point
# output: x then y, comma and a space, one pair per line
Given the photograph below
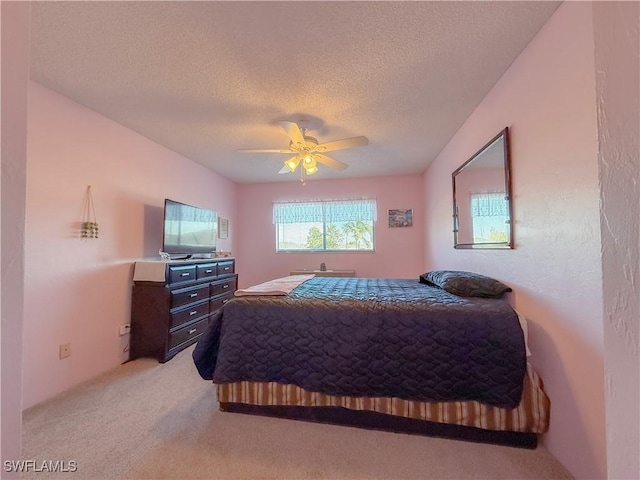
223, 227
400, 218
482, 207
89, 227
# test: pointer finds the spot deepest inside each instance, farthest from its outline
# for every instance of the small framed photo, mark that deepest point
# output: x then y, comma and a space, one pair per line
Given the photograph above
400, 218
223, 227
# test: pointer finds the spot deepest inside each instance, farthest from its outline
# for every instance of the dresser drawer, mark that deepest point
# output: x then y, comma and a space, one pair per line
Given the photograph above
182, 273
188, 314
226, 268
188, 333
183, 296
218, 288
206, 270
218, 302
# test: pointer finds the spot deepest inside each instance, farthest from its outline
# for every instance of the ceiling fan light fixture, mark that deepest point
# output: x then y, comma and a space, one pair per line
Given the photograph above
311, 170
292, 164
308, 161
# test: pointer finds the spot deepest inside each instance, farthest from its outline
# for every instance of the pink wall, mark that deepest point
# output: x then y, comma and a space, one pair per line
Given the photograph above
617, 59
78, 290
14, 18
398, 251
547, 98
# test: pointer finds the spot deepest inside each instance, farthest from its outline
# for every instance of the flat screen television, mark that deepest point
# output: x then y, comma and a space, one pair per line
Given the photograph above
188, 230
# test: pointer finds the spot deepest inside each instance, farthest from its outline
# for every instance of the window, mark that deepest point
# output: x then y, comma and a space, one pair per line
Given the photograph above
490, 217
320, 226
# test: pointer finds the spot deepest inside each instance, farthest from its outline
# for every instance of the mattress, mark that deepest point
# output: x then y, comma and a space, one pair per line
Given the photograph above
357, 337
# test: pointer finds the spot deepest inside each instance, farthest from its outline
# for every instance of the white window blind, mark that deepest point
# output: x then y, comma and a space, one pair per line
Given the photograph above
488, 205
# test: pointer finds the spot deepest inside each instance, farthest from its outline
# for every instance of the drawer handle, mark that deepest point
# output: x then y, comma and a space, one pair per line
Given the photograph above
193, 313
208, 271
226, 268
185, 274
193, 295
225, 286
193, 330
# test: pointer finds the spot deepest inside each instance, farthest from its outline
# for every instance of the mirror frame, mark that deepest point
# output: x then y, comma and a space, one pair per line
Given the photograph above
504, 134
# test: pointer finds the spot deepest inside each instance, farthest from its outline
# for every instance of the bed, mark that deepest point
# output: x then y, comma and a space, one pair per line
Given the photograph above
394, 354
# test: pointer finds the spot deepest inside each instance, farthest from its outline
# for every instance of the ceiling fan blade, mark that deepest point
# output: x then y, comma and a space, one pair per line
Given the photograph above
264, 150
340, 144
284, 170
330, 162
293, 132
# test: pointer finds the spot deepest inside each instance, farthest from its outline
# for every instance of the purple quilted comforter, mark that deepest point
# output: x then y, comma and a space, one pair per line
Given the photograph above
370, 337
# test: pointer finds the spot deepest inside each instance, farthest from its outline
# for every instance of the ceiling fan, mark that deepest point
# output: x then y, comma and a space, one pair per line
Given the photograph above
307, 151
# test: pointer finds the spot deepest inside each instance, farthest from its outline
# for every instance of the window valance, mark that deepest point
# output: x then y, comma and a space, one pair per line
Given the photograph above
329, 211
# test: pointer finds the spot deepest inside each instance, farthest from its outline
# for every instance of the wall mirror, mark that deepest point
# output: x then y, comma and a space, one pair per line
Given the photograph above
482, 197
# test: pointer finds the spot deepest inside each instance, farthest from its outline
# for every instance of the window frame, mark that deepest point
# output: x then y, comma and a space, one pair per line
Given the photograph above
475, 197
326, 223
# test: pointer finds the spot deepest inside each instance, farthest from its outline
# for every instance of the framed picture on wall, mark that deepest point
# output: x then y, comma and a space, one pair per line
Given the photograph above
400, 218
223, 227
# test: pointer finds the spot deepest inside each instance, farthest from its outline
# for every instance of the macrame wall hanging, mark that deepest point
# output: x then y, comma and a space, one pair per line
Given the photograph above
89, 222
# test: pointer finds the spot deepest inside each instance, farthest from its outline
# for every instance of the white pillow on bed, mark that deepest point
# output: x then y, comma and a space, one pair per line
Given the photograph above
279, 286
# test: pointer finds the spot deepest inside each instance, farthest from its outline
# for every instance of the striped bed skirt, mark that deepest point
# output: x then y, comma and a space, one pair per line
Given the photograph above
530, 416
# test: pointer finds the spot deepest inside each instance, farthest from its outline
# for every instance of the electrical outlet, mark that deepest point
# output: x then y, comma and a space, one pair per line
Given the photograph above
124, 329
65, 350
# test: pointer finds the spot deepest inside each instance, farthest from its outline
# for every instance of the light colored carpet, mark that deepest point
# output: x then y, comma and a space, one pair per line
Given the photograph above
151, 421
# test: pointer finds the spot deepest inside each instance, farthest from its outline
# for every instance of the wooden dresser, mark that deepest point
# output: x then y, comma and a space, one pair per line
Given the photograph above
172, 302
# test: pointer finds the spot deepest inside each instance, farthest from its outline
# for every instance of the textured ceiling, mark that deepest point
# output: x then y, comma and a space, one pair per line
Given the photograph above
207, 78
